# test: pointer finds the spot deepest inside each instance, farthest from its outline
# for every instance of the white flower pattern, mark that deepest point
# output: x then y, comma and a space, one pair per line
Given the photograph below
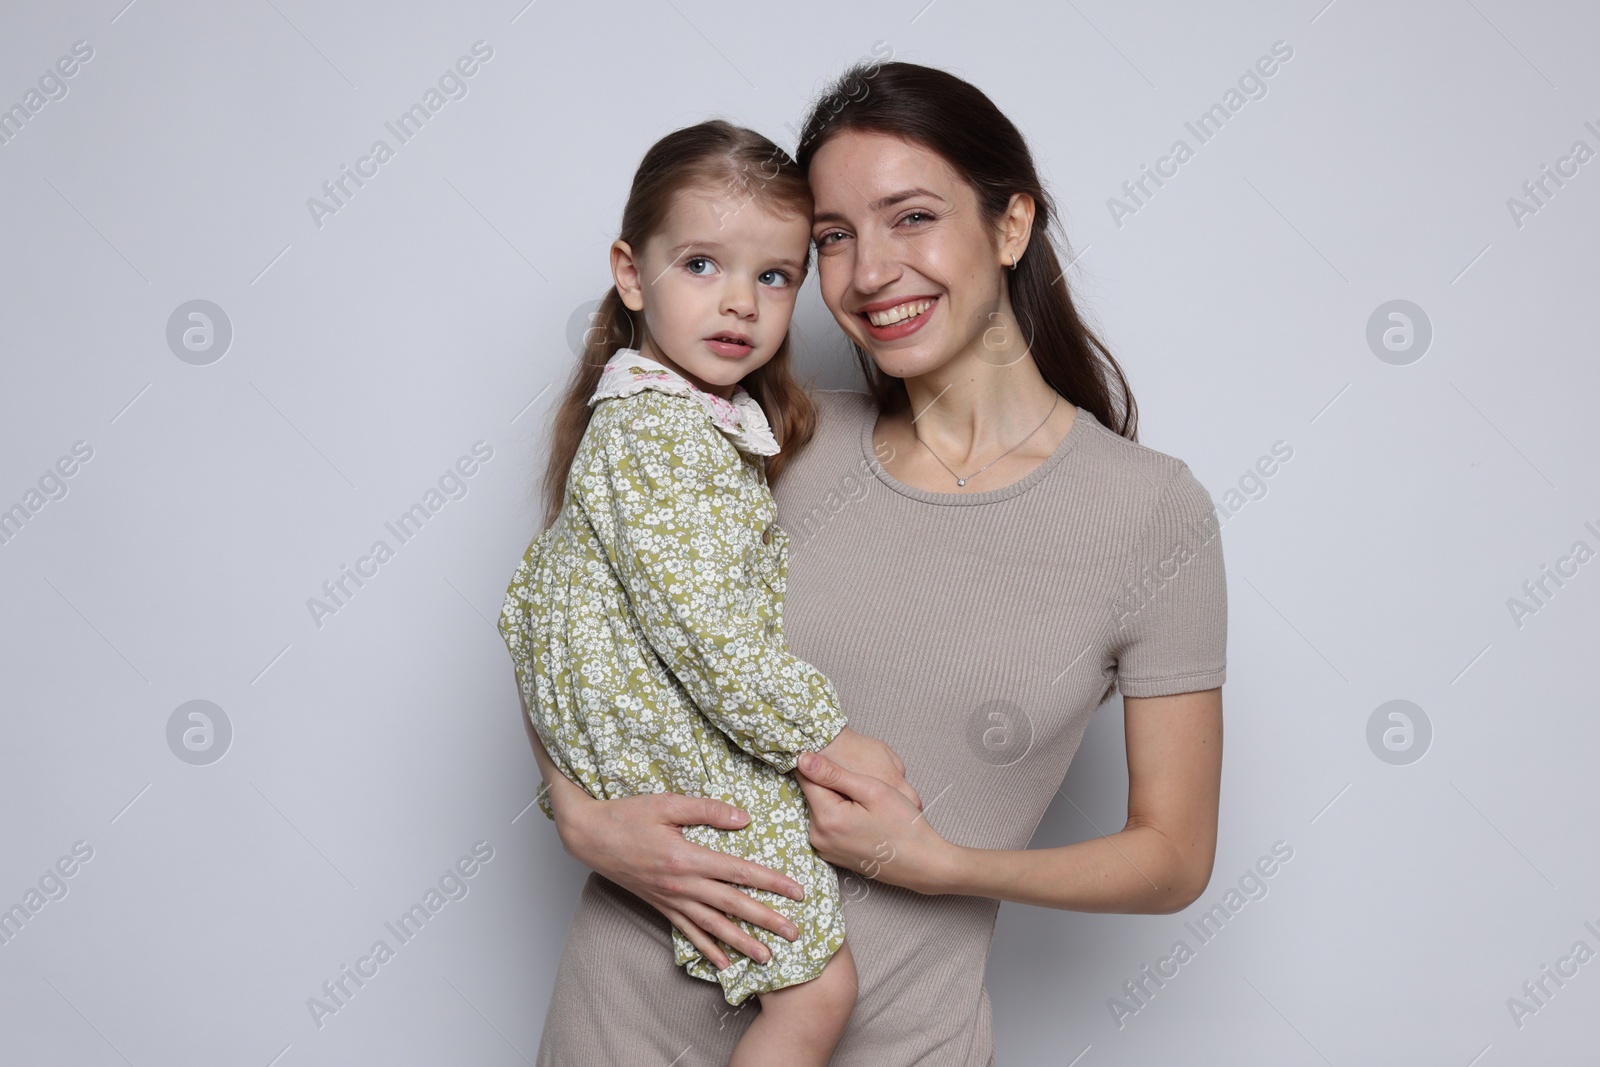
647, 632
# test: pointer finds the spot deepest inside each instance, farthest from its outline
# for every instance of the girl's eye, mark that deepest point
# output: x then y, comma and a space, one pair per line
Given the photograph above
783, 279
692, 260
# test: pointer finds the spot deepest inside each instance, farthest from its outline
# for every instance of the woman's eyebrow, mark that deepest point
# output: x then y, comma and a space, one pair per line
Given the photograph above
878, 205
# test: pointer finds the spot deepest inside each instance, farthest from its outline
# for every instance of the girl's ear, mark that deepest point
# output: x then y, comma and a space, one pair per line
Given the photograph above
625, 272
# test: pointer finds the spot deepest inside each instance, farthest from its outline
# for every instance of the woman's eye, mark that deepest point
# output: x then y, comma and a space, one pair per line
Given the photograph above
825, 239
782, 279
916, 214
689, 264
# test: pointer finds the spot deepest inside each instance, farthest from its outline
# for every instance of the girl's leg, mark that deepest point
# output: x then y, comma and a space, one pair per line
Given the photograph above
800, 1025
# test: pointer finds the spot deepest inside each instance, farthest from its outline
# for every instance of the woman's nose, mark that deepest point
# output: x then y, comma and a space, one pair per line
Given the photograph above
876, 263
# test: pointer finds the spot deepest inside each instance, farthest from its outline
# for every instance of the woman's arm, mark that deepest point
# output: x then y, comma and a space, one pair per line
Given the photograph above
1159, 862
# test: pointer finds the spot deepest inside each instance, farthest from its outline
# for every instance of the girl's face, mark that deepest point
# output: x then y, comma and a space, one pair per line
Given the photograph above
716, 285
906, 263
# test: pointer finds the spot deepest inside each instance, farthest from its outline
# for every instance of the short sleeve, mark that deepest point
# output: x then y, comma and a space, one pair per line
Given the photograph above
1170, 620
665, 495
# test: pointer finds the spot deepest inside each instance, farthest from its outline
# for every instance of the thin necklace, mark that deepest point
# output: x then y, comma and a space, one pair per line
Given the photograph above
963, 481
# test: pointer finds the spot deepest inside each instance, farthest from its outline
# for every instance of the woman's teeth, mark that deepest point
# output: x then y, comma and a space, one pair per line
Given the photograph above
899, 313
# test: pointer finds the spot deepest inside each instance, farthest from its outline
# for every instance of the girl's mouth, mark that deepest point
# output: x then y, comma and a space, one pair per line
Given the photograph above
732, 347
898, 321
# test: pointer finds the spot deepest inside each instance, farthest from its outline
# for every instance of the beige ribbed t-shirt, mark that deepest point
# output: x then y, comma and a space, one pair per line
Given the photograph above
975, 633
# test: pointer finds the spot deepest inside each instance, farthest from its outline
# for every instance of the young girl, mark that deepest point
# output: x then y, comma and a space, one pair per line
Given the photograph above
645, 621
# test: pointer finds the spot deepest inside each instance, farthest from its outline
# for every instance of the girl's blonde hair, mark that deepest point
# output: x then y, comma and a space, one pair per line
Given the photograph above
715, 153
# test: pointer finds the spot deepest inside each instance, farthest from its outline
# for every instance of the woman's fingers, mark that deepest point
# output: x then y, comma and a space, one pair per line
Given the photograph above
730, 900
689, 811
735, 902
703, 923
637, 843
730, 933
825, 772
697, 937
739, 871
706, 881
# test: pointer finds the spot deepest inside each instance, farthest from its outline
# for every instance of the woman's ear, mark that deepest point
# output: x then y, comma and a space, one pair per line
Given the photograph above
1016, 226
625, 273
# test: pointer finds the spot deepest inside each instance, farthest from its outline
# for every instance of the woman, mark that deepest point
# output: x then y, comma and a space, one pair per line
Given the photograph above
979, 554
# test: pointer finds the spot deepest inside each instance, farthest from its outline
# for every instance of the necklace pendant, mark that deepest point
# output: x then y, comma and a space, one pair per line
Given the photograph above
961, 481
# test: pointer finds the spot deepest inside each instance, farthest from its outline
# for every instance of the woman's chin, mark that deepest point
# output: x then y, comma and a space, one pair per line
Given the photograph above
908, 362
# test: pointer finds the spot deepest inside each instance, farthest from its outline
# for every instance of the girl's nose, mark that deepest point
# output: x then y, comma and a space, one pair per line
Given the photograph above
739, 297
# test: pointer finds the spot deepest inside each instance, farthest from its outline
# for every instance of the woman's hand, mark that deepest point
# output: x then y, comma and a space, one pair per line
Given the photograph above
867, 755
636, 842
862, 823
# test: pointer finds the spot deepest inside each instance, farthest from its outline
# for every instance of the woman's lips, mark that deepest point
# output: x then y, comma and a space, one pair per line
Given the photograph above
903, 328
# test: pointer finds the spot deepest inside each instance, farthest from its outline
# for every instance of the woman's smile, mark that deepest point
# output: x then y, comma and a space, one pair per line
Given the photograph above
890, 320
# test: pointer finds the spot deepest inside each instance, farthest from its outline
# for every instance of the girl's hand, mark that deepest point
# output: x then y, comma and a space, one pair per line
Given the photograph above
867, 755
636, 842
862, 823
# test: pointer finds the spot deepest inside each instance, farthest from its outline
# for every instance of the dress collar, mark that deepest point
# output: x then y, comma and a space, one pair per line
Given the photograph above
740, 417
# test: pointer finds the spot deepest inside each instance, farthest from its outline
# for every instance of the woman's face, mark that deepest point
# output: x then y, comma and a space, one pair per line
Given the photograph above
905, 262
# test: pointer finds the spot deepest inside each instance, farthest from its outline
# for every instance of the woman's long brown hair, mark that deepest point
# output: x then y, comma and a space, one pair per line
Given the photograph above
954, 118
746, 165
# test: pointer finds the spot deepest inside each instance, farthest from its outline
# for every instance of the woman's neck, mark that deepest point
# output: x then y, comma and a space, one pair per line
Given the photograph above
974, 408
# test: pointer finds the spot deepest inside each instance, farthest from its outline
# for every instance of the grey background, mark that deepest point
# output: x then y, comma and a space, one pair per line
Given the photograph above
368, 354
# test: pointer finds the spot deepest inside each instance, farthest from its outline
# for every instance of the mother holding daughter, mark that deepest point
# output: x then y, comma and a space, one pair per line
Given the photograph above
968, 557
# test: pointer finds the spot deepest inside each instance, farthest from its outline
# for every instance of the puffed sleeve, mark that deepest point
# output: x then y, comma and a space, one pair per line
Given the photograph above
1170, 621
664, 493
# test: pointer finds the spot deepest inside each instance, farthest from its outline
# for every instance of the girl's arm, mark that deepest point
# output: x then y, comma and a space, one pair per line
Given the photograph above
1158, 863
660, 490
636, 842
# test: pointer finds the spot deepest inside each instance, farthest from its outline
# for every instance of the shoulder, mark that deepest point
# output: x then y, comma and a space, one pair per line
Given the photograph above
1143, 477
654, 420
841, 404
840, 413
647, 411
657, 431
837, 432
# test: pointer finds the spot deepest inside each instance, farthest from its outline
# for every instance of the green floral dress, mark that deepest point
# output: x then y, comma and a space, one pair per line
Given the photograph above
647, 631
